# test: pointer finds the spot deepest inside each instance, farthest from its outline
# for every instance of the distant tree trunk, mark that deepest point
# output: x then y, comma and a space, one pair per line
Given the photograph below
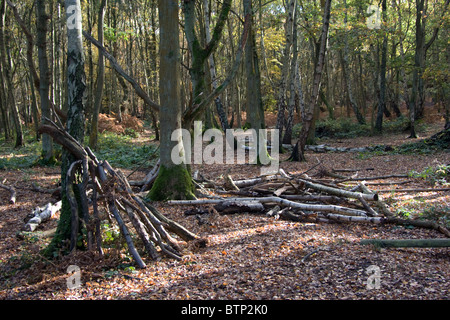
76, 114
93, 138
7, 79
347, 74
200, 54
293, 81
254, 101
174, 180
382, 95
307, 121
403, 80
41, 42
282, 89
418, 89
212, 70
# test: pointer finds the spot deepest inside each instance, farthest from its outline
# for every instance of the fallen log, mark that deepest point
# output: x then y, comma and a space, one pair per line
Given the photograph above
407, 243
339, 192
414, 190
280, 201
12, 191
40, 215
339, 217
229, 207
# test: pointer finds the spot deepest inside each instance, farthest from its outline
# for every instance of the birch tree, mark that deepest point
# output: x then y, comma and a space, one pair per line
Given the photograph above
76, 88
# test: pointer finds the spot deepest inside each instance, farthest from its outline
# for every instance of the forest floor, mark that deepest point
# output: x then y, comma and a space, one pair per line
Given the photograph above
247, 256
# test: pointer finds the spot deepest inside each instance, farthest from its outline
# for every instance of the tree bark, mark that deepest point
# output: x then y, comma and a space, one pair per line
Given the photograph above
293, 81
93, 138
282, 89
174, 180
298, 153
200, 54
7, 79
44, 83
212, 70
382, 93
76, 87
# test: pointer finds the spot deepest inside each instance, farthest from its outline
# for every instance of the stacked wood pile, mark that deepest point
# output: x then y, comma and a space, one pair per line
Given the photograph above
298, 197
103, 186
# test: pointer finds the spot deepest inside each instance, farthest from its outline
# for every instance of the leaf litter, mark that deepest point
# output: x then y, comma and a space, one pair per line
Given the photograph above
248, 256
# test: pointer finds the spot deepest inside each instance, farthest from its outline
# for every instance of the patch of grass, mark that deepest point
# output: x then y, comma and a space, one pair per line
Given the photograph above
19, 158
121, 152
118, 149
341, 128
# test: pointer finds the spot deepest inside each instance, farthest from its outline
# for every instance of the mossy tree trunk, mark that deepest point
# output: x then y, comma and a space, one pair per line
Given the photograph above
200, 54
44, 84
174, 180
76, 115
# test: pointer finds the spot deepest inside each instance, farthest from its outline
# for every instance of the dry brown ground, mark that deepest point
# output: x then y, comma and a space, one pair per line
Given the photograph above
247, 256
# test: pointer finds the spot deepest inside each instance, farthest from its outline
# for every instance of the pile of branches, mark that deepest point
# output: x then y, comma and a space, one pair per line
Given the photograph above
98, 184
298, 197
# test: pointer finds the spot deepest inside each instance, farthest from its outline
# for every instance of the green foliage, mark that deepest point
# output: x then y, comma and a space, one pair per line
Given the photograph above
341, 128
434, 175
19, 158
110, 235
121, 152
418, 208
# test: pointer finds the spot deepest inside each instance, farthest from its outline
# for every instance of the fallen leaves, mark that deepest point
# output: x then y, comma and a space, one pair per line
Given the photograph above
246, 257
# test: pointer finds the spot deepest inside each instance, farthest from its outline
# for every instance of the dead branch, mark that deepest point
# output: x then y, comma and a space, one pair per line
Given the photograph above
12, 191
280, 201
407, 243
40, 215
111, 188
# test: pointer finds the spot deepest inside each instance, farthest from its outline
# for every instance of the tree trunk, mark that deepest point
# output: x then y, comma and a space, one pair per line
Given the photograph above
345, 69
200, 54
174, 180
382, 94
7, 79
76, 87
293, 81
254, 102
298, 153
100, 79
282, 90
41, 42
212, 70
